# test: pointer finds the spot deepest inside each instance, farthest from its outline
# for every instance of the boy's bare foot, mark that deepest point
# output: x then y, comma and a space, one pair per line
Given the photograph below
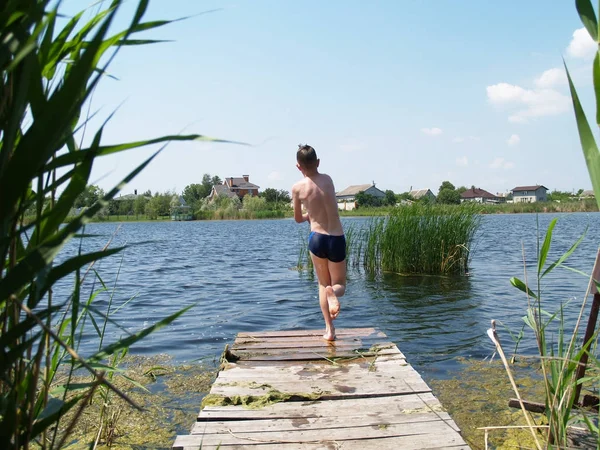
332, 300
329, 336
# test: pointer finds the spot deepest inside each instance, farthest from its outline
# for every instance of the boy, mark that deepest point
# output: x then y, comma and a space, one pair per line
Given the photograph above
326, 242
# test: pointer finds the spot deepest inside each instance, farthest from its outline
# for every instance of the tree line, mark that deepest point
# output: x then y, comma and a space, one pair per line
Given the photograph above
195, 196
161, 204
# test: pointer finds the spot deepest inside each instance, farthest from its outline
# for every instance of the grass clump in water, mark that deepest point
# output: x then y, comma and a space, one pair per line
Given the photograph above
421, 239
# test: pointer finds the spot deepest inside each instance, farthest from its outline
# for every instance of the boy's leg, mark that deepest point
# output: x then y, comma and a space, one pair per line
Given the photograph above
337, 275
322, 271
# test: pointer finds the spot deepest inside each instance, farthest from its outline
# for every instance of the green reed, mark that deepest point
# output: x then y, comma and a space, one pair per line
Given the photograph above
51, 64
424, 239
563, 351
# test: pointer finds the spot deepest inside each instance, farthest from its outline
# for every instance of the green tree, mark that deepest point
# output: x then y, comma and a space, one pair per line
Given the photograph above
284, 197
193, 193
254, 203
152, 209
125, 207
363, 200
139, 205
270, 195
447, 185
448, 197
390, 197
448, 194
461, 189
559, 196
207, 184
89, 196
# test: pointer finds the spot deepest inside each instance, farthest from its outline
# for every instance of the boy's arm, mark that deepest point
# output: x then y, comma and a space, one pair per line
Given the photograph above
298, 216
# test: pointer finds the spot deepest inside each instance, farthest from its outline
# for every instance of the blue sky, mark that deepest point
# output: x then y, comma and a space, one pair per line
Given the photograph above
405, 93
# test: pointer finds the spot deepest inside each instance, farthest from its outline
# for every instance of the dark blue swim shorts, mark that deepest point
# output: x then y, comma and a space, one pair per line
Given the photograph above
326, 246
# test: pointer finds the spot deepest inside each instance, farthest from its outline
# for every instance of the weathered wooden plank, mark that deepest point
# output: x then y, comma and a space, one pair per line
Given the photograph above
355, 375
361, 359
430, 434
379, 365
324, 388
367, 399
404, 404
360, 419
194, 442
307, 354
365, 343
319, 332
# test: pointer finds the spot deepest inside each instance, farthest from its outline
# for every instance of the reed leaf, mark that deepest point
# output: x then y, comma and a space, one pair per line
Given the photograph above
48, 75
522, 287
130, 340
586, 137
546, 246
588, 17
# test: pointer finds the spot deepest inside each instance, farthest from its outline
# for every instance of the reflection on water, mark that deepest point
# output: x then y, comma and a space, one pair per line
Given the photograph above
239, 276
433, 318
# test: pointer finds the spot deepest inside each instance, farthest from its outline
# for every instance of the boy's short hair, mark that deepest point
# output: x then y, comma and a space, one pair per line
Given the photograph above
306, 156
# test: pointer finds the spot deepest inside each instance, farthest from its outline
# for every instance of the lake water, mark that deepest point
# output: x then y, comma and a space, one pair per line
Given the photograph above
240, 276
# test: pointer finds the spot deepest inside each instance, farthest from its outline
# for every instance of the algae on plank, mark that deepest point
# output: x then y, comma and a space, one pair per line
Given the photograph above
258, 401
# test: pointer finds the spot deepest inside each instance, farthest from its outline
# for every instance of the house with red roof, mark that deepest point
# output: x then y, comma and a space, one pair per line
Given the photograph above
478, 195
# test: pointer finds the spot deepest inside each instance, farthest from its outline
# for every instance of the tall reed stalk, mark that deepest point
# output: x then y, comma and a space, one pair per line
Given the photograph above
49, 73
560, 358
424, 239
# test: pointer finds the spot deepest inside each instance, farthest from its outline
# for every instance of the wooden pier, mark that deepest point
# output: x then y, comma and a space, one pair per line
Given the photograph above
292, 390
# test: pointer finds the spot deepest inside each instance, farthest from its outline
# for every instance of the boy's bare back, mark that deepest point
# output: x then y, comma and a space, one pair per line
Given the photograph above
317, 193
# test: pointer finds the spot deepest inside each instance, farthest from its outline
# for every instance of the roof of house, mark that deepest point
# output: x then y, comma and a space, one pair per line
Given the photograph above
240, 183
418, 193
588, 193
477, 193
355, 189
221, 189
127, 197
182, 201
528, 188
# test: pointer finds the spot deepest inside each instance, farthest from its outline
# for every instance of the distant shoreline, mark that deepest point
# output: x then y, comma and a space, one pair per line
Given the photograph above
589, 206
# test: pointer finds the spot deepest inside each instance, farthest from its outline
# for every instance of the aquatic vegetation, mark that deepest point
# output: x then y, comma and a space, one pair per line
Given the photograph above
170, 399
420, 239
561, 360
478, 396
51, 64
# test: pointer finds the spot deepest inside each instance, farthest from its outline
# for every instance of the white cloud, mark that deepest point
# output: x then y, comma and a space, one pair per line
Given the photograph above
501, 163
529, 103
275, 176
461, 139
551, 78
432, 131
462, 161
582, 45
513, 140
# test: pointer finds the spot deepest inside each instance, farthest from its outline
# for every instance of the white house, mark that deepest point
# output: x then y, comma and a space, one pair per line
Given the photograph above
529, 194
346, 198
